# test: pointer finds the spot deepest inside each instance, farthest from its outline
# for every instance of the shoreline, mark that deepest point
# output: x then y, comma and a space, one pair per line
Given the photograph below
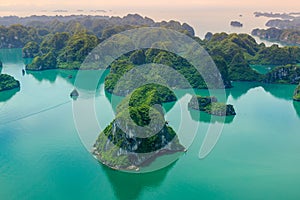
136, 168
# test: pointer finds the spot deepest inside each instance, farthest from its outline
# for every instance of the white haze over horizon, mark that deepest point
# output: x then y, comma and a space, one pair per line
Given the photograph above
35, 6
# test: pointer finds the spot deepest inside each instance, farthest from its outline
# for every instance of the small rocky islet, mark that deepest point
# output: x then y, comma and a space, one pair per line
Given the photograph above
211, 106
236, 24
8, 82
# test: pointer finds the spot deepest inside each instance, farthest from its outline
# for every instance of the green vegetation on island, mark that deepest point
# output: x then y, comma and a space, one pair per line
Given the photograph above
60, 50
275, 55
285, 30
285, 36
211, 106
8, 82
288, 74
64, 44
126, 149
296, 96
17, 36
127, 62
235, 50
232, 53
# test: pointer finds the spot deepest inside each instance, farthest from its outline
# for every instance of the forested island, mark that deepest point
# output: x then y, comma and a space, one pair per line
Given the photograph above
8, 82
211, 105
285, 36
127, 149
65, 44
232, 53
284, 24
285, 30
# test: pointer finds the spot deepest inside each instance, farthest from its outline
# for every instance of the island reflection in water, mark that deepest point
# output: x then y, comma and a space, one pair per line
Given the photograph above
6, 95
130, 186
296, 105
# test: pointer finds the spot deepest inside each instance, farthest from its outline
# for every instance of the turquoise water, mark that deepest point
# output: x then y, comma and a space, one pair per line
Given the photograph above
42, 156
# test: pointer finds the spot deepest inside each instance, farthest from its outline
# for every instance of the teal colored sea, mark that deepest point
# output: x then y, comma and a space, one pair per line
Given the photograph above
42, 155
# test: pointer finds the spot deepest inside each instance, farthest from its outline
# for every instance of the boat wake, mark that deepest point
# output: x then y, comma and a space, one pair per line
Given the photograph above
35, 113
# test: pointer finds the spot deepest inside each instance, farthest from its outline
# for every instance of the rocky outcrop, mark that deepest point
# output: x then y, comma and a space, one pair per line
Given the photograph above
200, 103
74, 94
285, 36
269, 34
211, 105
139, 133
30, 50
123, 150
208, 36
8, 82
236, 24
296, 96
289, 74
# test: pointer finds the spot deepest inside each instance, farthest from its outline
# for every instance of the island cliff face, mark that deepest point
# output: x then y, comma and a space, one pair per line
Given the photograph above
289, 74
121, 146
286, 36
296, 96
211, 106
117, 149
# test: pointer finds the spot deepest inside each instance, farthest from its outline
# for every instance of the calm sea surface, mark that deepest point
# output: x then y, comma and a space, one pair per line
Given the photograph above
42, 156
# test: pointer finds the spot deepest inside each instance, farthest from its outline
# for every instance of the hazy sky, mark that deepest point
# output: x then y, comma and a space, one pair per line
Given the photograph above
111, 4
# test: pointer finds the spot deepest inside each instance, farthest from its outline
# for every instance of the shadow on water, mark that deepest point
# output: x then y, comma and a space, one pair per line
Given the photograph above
130, 186
241, 88
280, 90
207, 118
70, 76
296, 105
6, 95
50, 75
11, 56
